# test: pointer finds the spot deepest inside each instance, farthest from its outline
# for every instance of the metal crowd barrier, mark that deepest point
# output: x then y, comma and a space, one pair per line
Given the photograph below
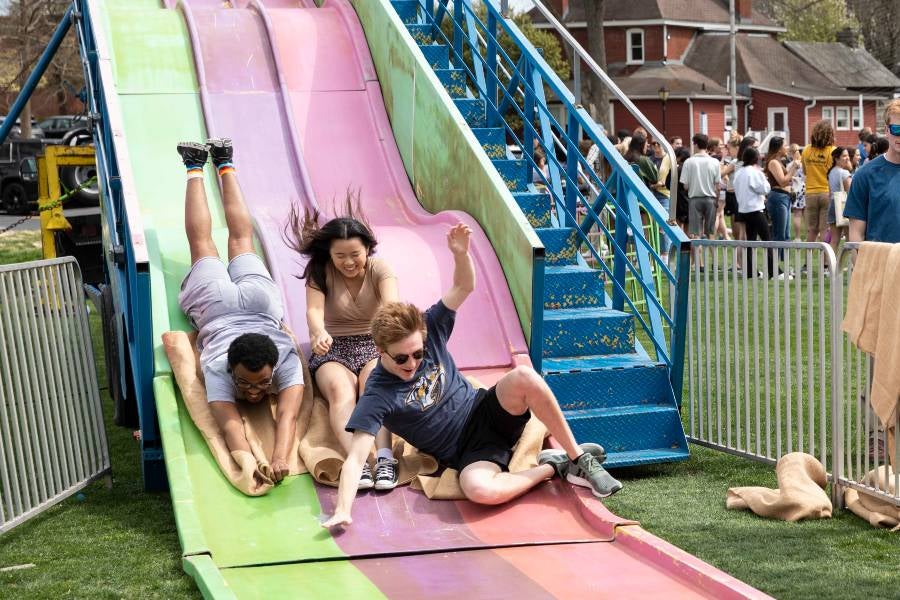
866, 458
52, 436
758, 375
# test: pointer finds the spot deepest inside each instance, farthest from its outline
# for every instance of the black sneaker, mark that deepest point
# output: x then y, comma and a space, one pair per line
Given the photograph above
193, 155
220, 150
387, 475
365, 480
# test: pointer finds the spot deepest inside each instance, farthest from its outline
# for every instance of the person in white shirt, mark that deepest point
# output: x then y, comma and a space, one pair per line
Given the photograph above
700, 174
751, 188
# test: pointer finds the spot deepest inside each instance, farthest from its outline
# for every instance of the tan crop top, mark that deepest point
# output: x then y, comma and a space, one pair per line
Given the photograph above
344, 314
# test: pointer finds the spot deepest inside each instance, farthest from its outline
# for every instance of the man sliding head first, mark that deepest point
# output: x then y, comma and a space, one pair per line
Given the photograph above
237, 309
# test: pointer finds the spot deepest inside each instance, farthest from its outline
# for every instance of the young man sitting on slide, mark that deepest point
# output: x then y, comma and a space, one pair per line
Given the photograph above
244, 353
417, 392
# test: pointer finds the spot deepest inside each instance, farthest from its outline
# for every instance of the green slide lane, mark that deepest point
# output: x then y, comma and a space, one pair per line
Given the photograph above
160, 105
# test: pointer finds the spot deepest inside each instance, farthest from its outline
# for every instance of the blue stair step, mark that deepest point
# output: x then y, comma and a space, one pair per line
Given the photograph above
594, 362
493, 140
421, 33
437, 55
647, 456
407, 10
559, 245
472, 110
644, 384
536, 207
453, 80
580, 331
513, 174
572, 286
627, 429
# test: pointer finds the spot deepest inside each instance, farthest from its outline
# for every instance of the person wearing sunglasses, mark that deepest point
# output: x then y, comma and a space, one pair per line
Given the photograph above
873, 202
418, 393
245, 354
345, 285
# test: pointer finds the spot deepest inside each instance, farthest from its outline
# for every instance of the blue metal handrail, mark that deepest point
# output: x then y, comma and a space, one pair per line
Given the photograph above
528, 78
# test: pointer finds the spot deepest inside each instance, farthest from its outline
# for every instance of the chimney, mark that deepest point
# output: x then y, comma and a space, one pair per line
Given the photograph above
744, 9
848, 37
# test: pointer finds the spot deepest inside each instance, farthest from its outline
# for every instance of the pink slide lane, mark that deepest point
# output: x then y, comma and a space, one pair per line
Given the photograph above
347, 144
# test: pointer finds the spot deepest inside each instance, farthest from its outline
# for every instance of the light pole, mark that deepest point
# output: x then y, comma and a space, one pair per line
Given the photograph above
664, 97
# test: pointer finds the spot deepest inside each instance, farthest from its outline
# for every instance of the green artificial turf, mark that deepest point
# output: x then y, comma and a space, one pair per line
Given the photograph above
122, 542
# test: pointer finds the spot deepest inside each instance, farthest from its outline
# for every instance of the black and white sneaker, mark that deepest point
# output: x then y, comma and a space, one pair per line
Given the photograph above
220, 150
386, 473
193, 155
365, 480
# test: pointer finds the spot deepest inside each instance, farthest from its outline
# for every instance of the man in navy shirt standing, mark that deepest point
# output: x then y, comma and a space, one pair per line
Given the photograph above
417, 392
873, 202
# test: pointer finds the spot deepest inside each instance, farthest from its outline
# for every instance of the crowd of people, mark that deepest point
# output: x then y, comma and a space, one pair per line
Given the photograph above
737, 190
381, 364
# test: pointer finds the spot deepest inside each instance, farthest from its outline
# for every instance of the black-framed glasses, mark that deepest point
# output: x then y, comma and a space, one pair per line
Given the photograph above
894, 128
401, 359
246, 386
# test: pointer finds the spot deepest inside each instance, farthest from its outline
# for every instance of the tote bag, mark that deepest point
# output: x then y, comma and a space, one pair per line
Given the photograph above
840, 199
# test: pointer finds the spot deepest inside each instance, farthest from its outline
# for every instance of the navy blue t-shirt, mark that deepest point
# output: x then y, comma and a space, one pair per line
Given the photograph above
431, 409
874, 197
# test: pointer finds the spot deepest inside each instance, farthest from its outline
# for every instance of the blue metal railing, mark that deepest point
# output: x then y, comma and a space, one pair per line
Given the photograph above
519, 89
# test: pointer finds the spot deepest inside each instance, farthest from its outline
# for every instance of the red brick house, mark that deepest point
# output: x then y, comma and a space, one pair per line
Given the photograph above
682, 47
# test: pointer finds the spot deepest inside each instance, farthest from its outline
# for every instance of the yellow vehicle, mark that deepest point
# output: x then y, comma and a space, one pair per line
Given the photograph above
69, 231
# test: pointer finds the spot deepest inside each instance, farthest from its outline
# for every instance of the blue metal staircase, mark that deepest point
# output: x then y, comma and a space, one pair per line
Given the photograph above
610, 389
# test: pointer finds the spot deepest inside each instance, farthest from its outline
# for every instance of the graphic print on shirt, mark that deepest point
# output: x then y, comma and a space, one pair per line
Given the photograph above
428, 390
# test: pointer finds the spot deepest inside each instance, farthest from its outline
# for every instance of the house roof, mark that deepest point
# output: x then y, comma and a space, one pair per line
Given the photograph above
845, 66
761, 62
681, 81
694, 11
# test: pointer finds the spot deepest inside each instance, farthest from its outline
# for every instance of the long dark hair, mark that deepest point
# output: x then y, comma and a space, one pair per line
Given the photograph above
635, 148
745, 143
304, 235
835, 155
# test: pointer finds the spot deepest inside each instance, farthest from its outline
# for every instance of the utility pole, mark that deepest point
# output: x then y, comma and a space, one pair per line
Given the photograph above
733, 78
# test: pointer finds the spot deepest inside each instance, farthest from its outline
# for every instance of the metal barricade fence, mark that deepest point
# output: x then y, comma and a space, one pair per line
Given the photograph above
866, 457
52, 436
758, 375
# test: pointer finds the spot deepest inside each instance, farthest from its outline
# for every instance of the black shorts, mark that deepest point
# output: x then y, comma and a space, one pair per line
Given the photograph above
490, 433
731, 205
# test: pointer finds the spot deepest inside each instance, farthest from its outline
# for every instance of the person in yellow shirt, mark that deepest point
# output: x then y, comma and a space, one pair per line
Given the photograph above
816, 159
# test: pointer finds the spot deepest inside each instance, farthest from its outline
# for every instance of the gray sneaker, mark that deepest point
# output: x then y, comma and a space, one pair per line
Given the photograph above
559, 460
365, 480
588, 473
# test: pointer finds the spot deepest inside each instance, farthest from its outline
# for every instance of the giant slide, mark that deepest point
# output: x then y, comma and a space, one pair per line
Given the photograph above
295, 87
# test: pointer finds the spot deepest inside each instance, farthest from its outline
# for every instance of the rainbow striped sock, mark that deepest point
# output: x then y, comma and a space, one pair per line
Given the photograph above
225, 168
194, 172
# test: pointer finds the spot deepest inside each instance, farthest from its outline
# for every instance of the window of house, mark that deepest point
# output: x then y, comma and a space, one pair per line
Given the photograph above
842, 120
828, 113
857, 118
729, 119
634, 39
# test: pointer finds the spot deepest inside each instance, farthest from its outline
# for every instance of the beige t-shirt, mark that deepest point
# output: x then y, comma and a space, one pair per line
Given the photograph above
344, 314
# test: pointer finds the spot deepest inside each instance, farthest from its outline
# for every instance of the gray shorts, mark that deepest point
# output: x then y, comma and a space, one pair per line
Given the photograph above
701, 215
211, 289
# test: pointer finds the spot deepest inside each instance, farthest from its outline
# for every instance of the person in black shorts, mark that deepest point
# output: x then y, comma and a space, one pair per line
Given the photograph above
417, 392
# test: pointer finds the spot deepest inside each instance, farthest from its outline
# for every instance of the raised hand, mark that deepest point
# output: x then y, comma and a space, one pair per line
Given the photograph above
458, 239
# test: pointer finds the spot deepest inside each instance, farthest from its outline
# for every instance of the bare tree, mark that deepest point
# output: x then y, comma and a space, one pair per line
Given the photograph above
596, 94
26, 30
880, 26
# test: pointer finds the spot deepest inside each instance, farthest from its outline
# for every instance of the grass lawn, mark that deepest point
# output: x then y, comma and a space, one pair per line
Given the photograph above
123, 543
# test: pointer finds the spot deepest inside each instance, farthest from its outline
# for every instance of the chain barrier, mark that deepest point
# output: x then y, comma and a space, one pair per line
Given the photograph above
55, 204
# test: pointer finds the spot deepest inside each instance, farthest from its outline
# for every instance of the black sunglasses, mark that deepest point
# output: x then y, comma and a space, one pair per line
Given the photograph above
401, 359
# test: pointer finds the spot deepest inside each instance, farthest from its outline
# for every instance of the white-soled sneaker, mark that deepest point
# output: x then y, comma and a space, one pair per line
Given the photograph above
386, 473
365, 480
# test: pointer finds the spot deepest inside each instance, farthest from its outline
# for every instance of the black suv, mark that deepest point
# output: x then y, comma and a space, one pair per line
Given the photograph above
18, 175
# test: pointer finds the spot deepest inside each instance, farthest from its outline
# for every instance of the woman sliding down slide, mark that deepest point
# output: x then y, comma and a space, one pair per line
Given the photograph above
244, 353
345, 286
